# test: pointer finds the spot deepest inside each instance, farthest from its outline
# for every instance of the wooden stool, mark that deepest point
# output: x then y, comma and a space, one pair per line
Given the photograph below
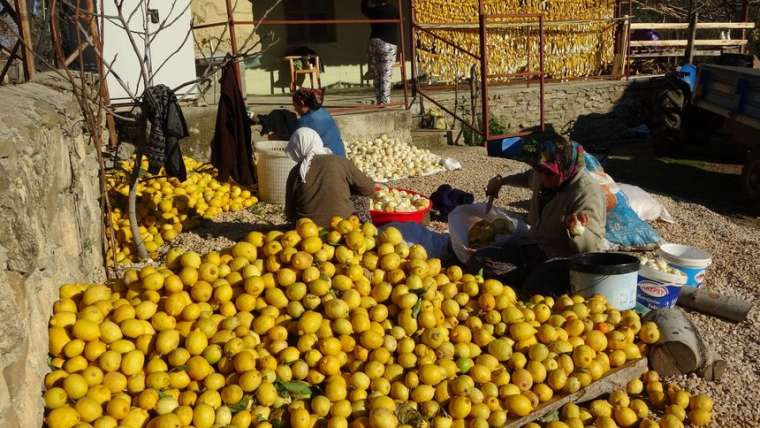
313, 70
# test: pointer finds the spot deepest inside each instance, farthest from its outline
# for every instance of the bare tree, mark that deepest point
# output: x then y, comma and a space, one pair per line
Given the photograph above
134, 23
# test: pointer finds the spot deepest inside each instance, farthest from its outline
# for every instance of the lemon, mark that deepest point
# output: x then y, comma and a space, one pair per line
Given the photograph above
55, 397
89, 410
519, 405
62, 417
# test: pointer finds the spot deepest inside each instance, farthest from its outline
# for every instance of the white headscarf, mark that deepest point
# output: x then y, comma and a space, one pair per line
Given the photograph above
304, 144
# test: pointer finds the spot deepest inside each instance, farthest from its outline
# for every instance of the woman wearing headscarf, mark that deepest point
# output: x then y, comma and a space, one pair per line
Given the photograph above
321, 184
568, 209
383, 46
308, 105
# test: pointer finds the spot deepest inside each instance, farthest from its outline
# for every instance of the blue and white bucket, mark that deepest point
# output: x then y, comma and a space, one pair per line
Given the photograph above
657, 290
613, 275
692, 261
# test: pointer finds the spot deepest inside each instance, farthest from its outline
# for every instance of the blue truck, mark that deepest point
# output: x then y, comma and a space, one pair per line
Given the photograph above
730, 94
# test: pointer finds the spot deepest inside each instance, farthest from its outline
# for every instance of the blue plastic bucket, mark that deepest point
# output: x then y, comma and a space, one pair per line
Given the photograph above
657, 290
692, 261
613, 275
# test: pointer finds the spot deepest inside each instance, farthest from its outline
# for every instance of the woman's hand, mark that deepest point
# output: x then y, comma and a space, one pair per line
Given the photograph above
494, 185
576, 223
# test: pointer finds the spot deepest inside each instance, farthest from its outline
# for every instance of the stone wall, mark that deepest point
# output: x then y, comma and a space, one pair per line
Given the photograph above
591, 110
49, 234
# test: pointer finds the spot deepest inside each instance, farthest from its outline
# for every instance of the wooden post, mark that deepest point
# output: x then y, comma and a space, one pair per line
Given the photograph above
693, 17
708, 302
681, 349
621, 58
27, 51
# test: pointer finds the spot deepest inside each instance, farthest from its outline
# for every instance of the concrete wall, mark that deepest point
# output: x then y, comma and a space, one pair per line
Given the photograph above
393, 122
590, 110
49, 234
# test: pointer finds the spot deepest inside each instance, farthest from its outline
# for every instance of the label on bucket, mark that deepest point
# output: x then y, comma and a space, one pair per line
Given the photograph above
653, 290
653, 294
695, 276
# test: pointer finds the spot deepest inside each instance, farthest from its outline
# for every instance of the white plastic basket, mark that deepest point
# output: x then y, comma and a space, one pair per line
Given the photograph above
273, 165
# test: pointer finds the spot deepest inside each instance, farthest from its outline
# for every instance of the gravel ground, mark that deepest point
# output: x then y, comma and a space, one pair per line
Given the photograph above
734, 245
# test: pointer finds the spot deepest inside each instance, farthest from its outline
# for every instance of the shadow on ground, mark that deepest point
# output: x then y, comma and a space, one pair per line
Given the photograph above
717, 186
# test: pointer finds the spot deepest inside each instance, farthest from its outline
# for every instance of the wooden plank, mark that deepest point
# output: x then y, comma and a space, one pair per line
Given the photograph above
495, 24
683, 43
676, 53
614, 380
700, 26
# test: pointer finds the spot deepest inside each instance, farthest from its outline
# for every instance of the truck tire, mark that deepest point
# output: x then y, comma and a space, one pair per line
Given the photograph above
669, 114
751, 179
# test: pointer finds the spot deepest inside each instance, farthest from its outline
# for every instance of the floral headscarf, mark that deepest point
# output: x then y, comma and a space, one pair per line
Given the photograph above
311, 98
559, 156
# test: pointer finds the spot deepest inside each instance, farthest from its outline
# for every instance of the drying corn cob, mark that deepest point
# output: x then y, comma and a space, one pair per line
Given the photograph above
572, 49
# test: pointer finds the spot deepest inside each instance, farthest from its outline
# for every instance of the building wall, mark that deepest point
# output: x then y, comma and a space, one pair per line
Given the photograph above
345, 61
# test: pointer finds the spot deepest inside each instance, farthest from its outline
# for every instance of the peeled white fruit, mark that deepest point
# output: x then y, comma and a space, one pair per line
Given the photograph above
385, 159
395, 200
661, 265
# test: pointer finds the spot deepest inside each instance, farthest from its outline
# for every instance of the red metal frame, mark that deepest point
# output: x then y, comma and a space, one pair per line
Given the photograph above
482, 58
231, 23
23, 44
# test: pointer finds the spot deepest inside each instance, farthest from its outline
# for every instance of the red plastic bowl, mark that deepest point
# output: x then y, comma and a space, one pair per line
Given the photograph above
380, 218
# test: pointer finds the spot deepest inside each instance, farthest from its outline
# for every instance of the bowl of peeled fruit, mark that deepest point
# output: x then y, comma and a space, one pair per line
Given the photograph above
389, 205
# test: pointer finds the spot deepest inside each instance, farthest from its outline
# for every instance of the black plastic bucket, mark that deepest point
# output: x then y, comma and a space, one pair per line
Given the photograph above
614, 275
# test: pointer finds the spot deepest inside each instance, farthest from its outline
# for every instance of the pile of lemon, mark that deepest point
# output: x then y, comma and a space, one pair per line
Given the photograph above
639, 405
341, 326
167, 206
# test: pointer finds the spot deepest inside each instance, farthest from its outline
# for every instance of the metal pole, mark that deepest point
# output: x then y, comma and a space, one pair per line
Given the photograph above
693, 17
9, 62
402, 50
54, 36
486, 131
104, 93
541, 64
233, 44
745, 18
414, 52
27, 54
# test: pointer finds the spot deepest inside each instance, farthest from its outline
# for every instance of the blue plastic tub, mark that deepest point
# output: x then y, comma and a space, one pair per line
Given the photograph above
657, 290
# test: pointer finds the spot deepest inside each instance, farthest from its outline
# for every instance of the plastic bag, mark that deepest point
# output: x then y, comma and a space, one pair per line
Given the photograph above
647, 207
626, 230
436, 244
465, 216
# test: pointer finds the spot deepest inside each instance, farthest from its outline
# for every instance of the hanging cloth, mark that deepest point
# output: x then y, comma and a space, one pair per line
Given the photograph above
167, 127
231, 150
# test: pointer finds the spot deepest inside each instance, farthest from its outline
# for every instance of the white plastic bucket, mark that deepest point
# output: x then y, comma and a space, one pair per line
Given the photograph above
613, 275
692, 261
657, 290
273, 165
